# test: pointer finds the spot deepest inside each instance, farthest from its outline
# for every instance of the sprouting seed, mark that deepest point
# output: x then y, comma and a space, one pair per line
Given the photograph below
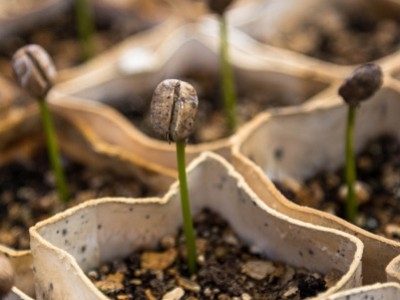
359, 86
35, 72
173, 111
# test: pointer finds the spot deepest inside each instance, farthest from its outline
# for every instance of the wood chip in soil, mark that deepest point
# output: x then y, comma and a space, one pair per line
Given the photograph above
378, 173
227, 269
28, 195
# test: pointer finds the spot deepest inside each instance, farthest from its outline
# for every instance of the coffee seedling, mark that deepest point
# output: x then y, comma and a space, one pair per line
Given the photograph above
359, 86
173, 110
85, 26
219, 7
36, 73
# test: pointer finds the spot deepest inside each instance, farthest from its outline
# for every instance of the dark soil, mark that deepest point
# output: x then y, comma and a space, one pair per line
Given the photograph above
226, 269
59, 37
28, 195
341, 37
378, 169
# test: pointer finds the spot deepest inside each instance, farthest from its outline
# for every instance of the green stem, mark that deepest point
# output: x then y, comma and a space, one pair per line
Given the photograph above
228, 88
85, 23
53, 152
351, 202
187, 215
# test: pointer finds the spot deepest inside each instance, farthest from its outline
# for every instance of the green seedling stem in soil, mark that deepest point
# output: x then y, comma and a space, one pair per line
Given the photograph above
227, 77
350, 165
361, 85
36, 73
85, 27
173, 110
228, 88
185, 202
52, 149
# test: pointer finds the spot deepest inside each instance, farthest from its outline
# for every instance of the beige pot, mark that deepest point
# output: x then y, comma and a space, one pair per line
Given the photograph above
133, 69
59, 262
311, 139
378, 291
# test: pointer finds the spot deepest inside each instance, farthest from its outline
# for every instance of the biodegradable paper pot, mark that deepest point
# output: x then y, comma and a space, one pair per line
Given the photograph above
113, 227
21, 262
133, 69
379, 291
312, 139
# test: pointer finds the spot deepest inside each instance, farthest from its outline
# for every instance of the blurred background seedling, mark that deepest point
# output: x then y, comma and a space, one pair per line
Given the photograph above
359, 86
86, 28
219, 7
36, 73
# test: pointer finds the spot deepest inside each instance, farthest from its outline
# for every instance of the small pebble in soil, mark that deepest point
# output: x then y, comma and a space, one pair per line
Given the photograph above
228, 270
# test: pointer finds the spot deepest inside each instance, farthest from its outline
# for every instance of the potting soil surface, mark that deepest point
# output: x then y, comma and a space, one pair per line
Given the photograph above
226, 269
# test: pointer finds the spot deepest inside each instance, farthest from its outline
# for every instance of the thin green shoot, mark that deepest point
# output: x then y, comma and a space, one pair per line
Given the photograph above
350, 171
185, 203
85, 24
228, 87
53, 152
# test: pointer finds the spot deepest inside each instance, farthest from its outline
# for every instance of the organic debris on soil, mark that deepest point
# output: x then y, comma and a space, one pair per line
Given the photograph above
28, 195
226, 269
378, 174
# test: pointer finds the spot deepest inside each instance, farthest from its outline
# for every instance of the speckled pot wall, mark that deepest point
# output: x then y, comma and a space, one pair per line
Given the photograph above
57, 242
312, 139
